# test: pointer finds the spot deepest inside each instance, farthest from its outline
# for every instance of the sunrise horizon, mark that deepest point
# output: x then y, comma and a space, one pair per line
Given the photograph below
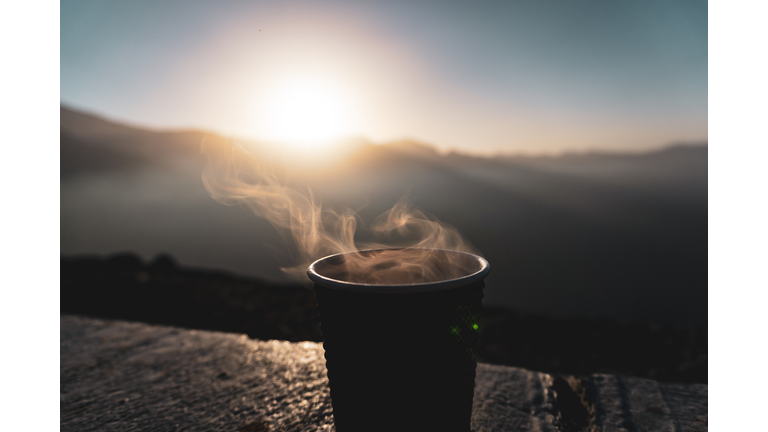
360, 138
506, 78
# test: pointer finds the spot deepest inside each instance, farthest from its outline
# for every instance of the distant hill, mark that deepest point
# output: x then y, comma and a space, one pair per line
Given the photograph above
617, 235
93, 144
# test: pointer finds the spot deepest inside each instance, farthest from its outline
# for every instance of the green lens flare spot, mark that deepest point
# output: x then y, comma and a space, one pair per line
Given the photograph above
475, 326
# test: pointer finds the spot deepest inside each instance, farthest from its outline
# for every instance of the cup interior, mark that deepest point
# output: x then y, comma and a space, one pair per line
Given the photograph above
392, 269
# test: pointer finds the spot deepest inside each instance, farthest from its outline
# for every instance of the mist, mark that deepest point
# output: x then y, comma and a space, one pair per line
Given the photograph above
598, 235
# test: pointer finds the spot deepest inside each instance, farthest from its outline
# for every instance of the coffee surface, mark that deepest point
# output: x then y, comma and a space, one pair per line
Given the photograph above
398, 266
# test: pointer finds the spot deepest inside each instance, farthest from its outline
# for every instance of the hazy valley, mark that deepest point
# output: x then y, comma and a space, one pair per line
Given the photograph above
614, 235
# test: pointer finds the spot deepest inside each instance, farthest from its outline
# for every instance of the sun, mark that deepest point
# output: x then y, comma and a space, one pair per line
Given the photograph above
306, 112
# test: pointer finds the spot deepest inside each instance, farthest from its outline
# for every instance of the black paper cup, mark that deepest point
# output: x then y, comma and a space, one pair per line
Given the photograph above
400, 357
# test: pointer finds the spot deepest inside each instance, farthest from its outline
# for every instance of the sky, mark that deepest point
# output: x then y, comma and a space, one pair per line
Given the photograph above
481, 77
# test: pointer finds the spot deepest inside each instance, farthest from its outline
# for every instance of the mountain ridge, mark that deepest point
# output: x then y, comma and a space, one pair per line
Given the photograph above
89, 126
619, 236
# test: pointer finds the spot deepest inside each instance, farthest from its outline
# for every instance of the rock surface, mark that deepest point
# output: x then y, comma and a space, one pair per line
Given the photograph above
121, 376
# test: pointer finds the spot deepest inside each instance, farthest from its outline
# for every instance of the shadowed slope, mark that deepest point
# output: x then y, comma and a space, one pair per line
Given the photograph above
613, 235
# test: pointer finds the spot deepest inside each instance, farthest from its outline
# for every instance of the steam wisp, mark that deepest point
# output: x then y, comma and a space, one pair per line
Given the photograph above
236, 176
398, 266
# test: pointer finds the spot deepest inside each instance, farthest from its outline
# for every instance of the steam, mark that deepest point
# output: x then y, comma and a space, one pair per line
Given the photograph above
237, 176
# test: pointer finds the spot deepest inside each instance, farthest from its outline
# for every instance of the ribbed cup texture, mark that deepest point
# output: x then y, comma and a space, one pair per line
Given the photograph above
401, 362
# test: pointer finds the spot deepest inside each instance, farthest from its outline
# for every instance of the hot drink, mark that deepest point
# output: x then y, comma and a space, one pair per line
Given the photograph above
400, 329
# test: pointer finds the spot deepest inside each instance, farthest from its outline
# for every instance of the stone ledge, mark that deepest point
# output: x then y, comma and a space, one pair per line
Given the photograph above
119, 376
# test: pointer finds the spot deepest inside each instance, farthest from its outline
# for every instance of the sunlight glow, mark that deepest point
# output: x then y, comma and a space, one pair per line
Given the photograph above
307, 112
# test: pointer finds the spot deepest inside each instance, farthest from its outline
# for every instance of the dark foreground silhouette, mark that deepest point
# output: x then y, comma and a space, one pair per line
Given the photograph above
161, 292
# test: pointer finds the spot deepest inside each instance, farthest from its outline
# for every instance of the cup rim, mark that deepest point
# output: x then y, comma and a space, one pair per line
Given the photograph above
327, 282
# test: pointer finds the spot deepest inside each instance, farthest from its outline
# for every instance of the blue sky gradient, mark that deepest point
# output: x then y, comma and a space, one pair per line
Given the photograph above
481, 77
